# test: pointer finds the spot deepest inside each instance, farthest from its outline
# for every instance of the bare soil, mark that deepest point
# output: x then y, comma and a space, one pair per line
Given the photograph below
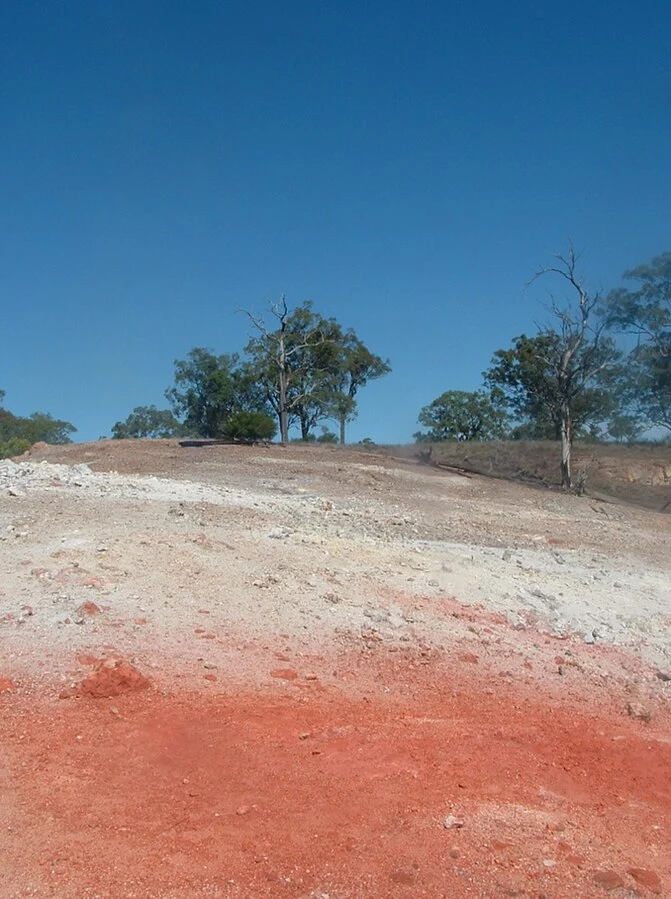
321, 673
639, 474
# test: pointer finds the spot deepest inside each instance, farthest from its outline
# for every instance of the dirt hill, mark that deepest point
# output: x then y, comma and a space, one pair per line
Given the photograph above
314, 672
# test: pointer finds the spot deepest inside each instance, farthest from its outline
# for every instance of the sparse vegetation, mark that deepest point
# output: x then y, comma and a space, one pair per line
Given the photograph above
18, 434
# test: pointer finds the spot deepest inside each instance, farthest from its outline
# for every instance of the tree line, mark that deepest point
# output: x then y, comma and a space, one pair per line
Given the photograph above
572, 379
298, 370
601, 368
17, 434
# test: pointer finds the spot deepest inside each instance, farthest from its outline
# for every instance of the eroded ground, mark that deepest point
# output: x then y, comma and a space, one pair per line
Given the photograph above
313, 673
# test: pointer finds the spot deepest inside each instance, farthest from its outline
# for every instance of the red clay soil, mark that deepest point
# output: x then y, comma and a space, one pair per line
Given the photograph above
465, 786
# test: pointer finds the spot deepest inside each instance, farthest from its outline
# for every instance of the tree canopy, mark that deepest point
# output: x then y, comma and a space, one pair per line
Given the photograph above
523, 380
556, 377
148, 421
209, 390
309, 368
460, 415
645, 312
17, 434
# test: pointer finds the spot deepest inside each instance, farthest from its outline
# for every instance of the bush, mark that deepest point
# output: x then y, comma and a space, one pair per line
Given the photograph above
13, 447
250, 426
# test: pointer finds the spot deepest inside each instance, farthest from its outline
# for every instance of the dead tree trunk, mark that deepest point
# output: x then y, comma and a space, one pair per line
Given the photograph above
566, 441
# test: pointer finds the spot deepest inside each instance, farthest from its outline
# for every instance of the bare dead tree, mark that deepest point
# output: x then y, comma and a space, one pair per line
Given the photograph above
581, 352
281, 351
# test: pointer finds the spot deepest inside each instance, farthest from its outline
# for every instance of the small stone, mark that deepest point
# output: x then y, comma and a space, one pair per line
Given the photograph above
243, 810
284, 673
608, 880
499, 845
647, 879
452, 823
663, 676
639, 712
469, 657
89, 608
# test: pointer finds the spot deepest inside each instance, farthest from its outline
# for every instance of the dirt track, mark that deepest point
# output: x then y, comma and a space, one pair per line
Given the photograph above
263, 672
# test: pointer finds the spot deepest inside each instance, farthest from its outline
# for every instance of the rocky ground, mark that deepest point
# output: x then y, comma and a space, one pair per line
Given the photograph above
244, 671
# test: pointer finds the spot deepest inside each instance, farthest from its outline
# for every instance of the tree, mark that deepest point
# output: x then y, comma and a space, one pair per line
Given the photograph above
17, 434
523, 382
556, 379
459, 415
623, 427
356, 366
209, 390
250, 426
293, 364
148, 421
310, 368
327, 436
44, 427
646, 313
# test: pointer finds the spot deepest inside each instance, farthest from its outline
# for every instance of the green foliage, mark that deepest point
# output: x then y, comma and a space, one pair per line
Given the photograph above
460, 415
646, 313
13, 447
523, 381
310, 369
294, 364
622, 427
148, 421
327, 436
355, 366
250, 426
209, 390
18, 434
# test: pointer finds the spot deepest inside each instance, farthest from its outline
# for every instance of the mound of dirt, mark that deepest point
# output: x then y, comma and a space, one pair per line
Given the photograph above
111, 679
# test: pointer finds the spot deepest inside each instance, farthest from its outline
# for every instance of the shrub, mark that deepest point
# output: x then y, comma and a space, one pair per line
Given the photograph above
250, 426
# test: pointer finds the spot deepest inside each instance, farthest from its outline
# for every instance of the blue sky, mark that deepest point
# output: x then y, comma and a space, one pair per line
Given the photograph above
406, 165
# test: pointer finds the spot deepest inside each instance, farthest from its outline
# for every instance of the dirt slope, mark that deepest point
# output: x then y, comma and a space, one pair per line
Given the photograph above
320, 673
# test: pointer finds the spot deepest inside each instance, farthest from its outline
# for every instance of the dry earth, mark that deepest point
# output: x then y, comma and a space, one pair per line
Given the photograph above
309, 672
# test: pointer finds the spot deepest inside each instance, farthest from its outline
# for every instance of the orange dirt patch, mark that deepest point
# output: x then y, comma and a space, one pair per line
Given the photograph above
453, 789
110, 678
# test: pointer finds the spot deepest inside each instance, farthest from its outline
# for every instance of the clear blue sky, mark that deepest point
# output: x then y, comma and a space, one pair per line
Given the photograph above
406, 165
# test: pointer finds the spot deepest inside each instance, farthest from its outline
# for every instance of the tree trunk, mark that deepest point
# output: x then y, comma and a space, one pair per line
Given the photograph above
566, 440
342, 428
284, 423
282, 371
305, 428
